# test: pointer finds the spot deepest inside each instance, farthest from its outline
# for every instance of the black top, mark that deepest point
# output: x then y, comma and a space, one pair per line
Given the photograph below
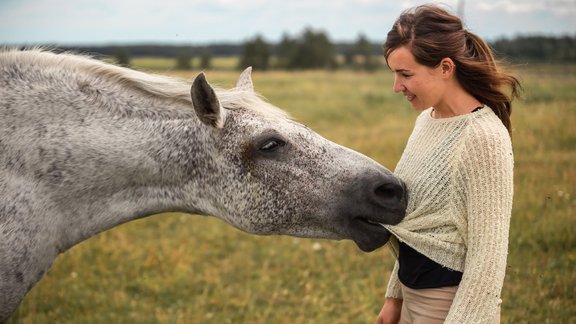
417, 271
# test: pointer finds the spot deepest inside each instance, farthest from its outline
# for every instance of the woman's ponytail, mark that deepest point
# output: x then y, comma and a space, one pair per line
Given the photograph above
477, 70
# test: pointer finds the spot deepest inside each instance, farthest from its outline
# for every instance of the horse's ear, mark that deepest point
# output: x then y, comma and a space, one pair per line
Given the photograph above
245, 80
205, 102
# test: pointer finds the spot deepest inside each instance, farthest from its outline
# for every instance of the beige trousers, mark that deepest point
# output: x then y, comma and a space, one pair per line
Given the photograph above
428, 306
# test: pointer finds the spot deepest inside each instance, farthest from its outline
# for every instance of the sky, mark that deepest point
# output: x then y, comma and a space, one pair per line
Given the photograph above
194, 22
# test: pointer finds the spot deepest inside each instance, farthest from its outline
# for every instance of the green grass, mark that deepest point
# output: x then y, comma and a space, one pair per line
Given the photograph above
177, 268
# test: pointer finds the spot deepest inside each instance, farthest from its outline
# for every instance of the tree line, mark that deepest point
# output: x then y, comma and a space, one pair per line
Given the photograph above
522, 49
313, 49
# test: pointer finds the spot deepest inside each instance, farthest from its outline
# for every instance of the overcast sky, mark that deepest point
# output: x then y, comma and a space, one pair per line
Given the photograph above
87, 22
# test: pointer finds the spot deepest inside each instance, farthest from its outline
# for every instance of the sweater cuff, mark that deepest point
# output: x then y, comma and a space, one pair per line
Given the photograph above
394, 289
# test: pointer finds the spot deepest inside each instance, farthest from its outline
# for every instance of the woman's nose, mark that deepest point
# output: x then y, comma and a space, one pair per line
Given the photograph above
397, 87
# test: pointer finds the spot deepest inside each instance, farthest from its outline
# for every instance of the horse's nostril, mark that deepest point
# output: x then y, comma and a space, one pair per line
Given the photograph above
389, 191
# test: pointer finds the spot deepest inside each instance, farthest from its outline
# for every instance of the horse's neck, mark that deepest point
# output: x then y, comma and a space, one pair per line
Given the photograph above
140, 175
73, 165
102, 169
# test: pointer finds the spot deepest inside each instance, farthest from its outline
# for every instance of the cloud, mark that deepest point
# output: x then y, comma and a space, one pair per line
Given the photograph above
557, 7
101, 21
449, 4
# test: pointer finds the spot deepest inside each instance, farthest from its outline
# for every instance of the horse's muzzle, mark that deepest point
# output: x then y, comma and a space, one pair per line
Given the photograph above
374, 201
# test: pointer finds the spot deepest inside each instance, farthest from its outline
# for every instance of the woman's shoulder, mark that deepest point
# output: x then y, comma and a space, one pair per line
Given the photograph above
486, 136
485, 125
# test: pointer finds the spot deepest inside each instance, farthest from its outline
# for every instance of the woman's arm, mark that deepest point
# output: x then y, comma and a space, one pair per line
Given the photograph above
487, 182
390, 312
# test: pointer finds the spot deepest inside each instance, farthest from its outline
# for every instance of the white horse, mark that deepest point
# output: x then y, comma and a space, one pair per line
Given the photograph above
86, 146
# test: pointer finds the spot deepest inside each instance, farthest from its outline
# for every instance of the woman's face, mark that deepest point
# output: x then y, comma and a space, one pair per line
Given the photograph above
422, 85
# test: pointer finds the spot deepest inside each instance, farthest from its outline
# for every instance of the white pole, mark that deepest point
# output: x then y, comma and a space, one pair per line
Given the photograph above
461, 9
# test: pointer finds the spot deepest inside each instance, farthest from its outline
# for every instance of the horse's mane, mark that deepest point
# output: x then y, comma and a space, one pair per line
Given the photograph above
153, 84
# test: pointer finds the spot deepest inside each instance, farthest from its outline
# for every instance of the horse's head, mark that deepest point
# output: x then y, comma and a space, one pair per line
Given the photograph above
276, 176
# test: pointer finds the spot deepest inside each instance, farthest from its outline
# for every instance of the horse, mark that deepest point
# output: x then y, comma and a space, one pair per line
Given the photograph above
86, 146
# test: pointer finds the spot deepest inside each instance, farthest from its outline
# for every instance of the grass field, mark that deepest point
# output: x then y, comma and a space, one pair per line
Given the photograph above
177, 268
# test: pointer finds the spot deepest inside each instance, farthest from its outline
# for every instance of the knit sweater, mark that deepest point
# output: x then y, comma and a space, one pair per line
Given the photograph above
458, 172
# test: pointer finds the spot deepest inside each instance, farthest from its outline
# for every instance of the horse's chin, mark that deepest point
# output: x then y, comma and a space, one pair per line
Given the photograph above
369, 237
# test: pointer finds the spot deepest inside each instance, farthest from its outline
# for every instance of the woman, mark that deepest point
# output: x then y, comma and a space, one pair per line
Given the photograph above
451, 248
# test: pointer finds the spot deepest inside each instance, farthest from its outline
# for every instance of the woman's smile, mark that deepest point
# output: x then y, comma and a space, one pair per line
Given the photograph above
409, 97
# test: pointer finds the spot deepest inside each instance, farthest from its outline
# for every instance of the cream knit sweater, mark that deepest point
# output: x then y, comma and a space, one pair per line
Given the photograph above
458, 172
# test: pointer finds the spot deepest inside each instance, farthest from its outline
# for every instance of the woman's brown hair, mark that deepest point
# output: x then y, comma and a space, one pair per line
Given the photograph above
432, 34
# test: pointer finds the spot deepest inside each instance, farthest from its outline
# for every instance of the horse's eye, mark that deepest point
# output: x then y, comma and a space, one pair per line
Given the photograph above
271, 145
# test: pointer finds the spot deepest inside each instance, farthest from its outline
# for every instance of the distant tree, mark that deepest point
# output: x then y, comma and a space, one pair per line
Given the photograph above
348, 57
286, 50
205, 59
122, 57
256, 54
315, 51
537, 49
184, 61
363, 54
312, 50
567, 52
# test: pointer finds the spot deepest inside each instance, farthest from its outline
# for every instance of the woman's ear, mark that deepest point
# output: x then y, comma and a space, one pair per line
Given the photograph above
448, 67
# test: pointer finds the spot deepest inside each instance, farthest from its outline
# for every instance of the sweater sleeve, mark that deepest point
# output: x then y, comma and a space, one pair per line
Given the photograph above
394, 290
486, 174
